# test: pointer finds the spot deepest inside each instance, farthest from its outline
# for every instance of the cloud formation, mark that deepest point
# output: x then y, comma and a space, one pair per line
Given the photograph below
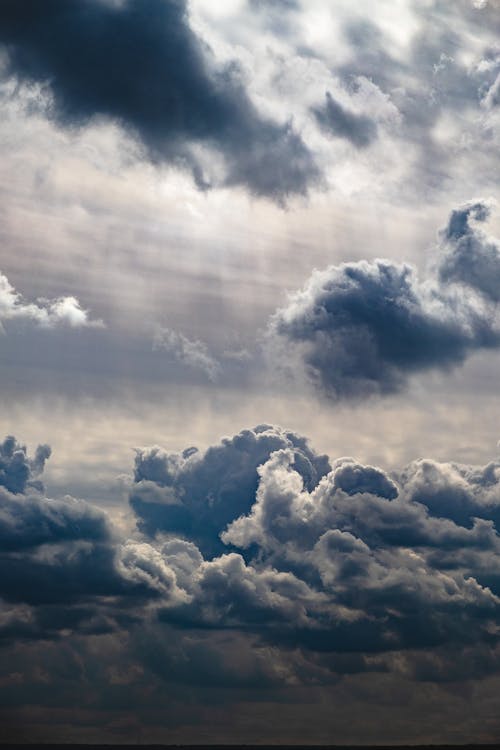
470, 257
364, 328
139, 63
62, 560
344, 559
263, 535
63, 311
202, 493
259, 564
189, 352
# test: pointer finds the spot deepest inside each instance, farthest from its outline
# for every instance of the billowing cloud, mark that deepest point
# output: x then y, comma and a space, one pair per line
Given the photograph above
202, 493
260, 564
364, 328
325, 566
341, 560
62, 560
139, 63
263, 535
63, 311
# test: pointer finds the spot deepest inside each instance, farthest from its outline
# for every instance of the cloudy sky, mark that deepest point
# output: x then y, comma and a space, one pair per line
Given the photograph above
250, 331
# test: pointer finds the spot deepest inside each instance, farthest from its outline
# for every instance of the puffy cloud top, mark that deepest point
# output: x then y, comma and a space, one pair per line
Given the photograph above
45, 313
259, 535
341, 559
202, 493
17, 471
363, 328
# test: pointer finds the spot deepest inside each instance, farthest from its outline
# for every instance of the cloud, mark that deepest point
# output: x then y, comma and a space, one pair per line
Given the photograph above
140, 64
63, 311
199, 494
262, 552
335, 119
63, 559
17, 471
339, 558
336, 560
364, 328
470, 257
192, 353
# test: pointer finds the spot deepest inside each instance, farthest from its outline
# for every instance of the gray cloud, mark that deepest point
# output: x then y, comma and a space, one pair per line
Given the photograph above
199, 494
63, 559
189, 352
334, 119
17, 470
282, 570
139, 63
340, 561
364, 328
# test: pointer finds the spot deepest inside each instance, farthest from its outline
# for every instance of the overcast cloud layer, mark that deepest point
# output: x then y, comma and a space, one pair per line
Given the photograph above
217, 215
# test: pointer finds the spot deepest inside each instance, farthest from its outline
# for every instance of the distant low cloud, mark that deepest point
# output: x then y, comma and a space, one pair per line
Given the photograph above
63, 311
364, 328
139, 63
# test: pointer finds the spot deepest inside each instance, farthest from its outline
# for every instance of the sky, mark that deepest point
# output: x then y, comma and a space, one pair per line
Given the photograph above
250, 335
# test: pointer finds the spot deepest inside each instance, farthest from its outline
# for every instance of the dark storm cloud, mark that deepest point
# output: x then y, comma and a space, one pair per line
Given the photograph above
335, 119
200, 494
262, 562
261, 534
364, 328
17, 471
139, 63
352, 561
63, 560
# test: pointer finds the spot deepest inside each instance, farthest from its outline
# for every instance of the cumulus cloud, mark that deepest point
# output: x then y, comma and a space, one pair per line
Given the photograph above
63, 311
63, 564
262, 538
189, 352
344, 559
364, 328
17, 470
139, 63
199, 494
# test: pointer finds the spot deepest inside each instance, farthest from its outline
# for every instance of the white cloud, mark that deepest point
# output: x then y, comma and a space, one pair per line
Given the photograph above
63, 311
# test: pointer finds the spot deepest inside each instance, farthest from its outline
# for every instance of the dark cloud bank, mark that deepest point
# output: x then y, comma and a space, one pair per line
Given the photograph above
258, 565
139, 63
364, 328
